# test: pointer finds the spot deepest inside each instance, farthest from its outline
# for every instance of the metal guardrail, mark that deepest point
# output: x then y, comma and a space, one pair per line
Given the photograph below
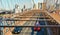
30, 16
26, 20
46, 26
31, 20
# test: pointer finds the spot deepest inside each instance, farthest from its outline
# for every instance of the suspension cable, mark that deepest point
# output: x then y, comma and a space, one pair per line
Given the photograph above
1, 3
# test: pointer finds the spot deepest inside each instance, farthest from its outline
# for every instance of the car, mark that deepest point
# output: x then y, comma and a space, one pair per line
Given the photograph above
17, 30
37, 26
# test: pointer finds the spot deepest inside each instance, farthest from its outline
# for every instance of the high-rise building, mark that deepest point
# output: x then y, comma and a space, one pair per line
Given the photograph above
17, 9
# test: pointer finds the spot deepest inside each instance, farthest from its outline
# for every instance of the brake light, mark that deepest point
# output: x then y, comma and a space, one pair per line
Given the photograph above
38, 29
35, 29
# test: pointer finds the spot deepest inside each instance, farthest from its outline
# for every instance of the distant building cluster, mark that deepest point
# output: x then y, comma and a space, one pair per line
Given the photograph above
18, 10
46, 4
52, 3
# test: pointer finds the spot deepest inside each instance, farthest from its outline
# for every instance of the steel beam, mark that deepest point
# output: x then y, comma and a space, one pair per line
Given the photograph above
46, 26
30, 16
26, 20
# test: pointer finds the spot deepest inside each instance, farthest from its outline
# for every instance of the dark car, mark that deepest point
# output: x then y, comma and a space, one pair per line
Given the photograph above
17, 30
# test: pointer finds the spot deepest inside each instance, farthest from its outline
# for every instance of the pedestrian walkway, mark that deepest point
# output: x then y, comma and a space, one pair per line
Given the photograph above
55, 16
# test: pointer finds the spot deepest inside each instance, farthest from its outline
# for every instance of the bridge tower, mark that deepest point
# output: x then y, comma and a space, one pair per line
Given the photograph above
42, 6
39, 5
34, 5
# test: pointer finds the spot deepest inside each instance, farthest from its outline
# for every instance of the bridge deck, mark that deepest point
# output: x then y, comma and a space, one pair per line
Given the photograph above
55, 16
17, 22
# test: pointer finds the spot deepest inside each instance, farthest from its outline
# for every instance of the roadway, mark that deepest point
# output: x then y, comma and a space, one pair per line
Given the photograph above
27, 31
17, 22
30, 31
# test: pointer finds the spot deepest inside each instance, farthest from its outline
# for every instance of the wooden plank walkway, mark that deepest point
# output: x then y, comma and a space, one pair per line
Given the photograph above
55, 16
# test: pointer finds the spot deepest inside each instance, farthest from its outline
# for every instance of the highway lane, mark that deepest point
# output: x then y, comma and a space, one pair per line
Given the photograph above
27, 31
43, 31
30, 31
8, 23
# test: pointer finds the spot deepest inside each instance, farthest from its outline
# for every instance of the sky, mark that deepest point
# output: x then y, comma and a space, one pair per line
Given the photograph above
10, 4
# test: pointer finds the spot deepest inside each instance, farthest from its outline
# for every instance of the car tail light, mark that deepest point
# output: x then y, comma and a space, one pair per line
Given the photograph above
35, 29
38, 29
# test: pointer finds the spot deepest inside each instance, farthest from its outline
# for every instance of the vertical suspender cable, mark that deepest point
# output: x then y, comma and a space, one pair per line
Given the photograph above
19, 2
16, 2
1, 4
8, 4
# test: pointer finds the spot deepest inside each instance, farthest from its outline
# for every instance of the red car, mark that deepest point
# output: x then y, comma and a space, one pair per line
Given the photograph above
37, 27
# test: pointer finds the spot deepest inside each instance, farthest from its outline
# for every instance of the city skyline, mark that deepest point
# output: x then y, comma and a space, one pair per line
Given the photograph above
10, 4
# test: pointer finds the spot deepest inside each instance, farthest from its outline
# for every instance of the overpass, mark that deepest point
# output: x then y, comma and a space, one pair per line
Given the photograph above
28, 16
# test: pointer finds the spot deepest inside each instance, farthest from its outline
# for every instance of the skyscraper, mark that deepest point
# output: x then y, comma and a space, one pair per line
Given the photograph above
17, 9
